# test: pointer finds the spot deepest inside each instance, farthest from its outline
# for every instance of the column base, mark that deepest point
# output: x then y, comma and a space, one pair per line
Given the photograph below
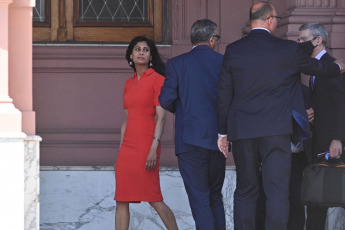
11, 180
10, 118
32, 182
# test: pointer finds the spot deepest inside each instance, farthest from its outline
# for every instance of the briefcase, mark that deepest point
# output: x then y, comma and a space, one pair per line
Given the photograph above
324, 184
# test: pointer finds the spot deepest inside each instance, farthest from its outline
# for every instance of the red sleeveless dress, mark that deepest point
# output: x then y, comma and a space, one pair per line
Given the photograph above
133, 182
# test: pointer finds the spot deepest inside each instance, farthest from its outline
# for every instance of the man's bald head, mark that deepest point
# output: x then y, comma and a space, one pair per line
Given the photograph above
260, 11
263, 15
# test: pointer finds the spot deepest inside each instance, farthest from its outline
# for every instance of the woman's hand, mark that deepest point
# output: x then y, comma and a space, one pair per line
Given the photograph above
151, 159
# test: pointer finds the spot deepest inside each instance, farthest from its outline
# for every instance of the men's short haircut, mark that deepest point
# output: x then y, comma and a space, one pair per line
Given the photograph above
316, 29
261, 13
202, 30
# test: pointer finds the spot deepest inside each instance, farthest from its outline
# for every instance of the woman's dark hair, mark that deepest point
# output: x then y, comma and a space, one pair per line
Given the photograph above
157, 62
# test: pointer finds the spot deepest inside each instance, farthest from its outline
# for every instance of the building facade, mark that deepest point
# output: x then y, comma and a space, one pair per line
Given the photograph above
62, 80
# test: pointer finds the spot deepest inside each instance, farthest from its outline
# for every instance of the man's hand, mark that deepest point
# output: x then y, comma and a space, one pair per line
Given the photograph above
310, 113
336, 148
342, 65
223, 145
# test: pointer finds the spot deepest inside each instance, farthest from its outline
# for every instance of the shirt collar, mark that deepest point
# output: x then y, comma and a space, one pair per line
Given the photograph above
259, 28
319, 55
146, 73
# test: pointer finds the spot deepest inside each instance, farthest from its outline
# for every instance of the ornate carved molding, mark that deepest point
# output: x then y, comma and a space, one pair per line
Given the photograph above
317, 3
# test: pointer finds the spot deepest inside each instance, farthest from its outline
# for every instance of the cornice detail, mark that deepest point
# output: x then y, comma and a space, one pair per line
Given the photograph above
317, 3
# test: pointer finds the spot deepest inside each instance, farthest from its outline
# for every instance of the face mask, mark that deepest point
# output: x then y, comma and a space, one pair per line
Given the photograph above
307, 47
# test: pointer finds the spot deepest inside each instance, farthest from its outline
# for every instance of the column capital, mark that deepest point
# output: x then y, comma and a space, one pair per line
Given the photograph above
22, 3
5, 2
320, 4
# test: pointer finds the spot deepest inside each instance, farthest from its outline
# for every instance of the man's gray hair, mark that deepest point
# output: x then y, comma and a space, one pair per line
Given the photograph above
316, 29
202, 30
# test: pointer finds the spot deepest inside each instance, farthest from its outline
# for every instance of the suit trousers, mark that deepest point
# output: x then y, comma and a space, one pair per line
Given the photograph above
274, 152
203, 173
297, 212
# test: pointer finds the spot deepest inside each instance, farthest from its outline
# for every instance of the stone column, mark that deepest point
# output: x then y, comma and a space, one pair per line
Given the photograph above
20, 61
11, 139
15, 146
20, 90
10, 117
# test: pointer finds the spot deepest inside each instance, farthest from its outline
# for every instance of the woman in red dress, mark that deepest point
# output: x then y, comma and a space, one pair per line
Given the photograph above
137, 164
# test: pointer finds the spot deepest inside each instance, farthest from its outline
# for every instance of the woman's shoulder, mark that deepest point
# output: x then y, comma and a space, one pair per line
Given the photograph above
152, 73
130, 80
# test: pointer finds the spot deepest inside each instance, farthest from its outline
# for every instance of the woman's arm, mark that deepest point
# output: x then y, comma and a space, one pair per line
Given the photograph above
123, 126
152, 155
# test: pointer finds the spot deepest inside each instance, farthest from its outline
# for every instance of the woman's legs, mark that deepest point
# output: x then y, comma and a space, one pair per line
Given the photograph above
165, 214
122, 216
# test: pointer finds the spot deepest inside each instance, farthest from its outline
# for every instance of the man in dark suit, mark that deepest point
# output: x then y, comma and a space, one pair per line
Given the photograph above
190, 91
328, 101
259, 77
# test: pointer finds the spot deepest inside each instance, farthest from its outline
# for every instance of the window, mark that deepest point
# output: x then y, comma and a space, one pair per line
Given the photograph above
40, 12
112, 11
97, 20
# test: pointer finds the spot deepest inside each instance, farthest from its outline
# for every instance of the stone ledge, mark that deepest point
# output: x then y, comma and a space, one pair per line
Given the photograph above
106, 168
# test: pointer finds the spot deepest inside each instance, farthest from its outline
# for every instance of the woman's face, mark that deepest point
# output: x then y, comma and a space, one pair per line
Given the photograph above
141, 54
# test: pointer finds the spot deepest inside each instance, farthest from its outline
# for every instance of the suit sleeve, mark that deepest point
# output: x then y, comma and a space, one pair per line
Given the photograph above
336, 88
225, 92
169, 91
312, 66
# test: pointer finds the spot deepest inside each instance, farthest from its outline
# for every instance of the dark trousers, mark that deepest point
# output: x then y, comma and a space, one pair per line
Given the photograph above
297, 212
203, 173
316, 218
275, 154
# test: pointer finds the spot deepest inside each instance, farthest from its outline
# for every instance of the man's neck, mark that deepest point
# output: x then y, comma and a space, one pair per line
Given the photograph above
201, 44
320, 54
317, 51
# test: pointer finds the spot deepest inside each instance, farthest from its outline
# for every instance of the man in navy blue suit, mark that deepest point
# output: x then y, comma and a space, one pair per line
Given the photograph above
190, 91
259, 79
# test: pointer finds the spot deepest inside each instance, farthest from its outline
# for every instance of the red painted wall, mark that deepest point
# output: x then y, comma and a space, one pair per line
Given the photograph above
77, 90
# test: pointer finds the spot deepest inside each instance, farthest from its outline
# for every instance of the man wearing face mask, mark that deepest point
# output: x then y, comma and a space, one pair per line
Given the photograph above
328, 102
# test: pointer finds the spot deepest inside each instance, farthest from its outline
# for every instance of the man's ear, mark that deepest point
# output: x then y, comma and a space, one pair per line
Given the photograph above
319, 40
211, 42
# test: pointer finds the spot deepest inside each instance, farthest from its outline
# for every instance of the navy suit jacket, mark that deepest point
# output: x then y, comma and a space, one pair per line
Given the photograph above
328, 101
190, 91
259, 77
